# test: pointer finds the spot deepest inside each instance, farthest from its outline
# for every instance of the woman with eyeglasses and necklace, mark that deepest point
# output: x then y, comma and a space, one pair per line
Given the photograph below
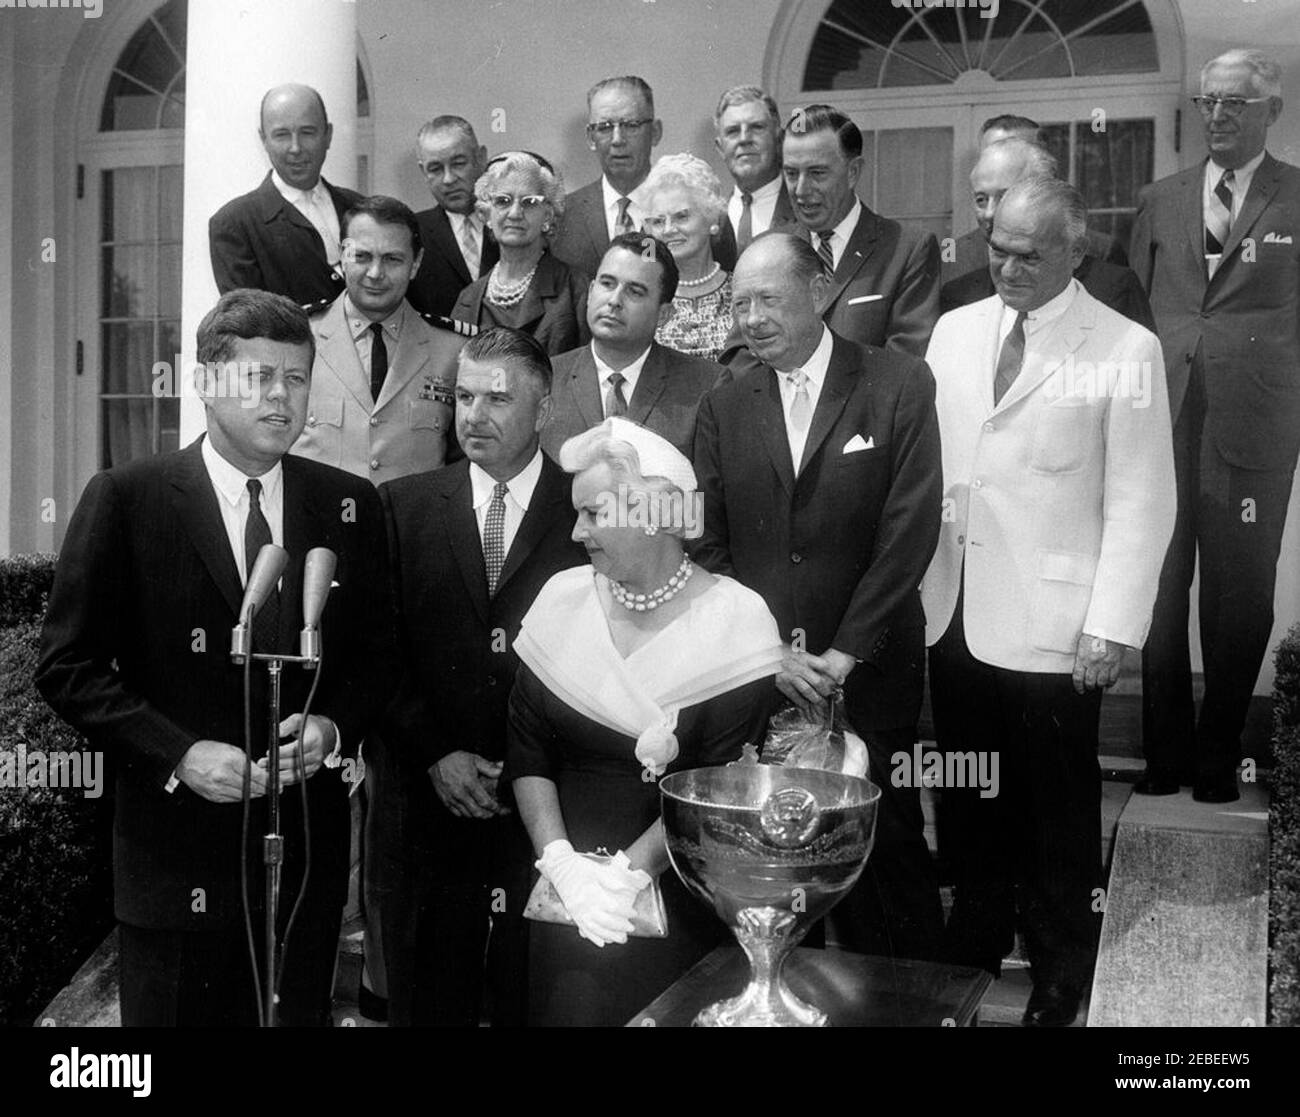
521, 199
684, 205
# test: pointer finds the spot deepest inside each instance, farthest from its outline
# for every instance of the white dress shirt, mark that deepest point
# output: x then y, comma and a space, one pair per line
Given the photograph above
761, 209
611, 196
841, 233
359, 326
1241, 179
231, 487
815, 369
519, 491
631, 374
318, 207
458, 222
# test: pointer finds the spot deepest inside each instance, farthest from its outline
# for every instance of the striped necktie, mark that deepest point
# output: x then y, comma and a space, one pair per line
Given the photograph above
1218, 219
623, 223
824, 251
615, 400
469, 246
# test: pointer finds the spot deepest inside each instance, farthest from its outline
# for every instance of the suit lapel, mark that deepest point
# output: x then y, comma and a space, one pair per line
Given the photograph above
412, 355
1193, 212
650, 384
783, 214
463, 536
298, 526
597, 230
771, 424
855, 254
552, 490
830, 401
445, 242
195, 503
585, 389
334, 346
1064, 337
1262, 188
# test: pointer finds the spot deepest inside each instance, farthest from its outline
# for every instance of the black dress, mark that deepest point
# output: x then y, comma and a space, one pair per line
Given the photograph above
606, 803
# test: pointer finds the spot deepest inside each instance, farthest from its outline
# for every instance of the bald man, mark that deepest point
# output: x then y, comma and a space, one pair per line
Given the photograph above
968, 280
284, 236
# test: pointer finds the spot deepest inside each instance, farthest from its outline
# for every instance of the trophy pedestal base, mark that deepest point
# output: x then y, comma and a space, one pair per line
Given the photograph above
753, 1010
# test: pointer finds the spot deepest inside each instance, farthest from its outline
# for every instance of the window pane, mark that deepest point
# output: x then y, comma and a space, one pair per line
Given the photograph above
169, 425
128, 106
128, 426
129, 204
915, 175
169, 279
1123, 44
1112, 166
150, 67
127, 353
1037, 52
838, 62
149, 59
171, 196
129, 283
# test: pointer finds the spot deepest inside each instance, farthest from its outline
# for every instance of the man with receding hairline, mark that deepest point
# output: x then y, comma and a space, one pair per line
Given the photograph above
747, 126
283, 237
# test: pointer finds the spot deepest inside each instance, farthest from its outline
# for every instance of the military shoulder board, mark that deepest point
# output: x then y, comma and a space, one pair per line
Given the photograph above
465, 329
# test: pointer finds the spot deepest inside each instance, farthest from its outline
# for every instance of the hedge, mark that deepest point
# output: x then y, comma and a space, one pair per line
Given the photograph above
55, 844
1284, 839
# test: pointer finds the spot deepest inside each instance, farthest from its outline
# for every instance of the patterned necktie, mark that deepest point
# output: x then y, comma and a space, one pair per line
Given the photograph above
469, 246
824, 251
257, 533
1010, 358
494, 534
615, 401
378, 360
1218, 218
745, 233
623, 223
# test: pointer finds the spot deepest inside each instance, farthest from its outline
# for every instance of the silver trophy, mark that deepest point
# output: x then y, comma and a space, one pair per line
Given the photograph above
772, 850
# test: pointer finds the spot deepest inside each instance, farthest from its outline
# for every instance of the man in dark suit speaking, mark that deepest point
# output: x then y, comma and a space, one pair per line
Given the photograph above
822, 489
471, 545
1218, 248
284, 236
624, 371
136, 655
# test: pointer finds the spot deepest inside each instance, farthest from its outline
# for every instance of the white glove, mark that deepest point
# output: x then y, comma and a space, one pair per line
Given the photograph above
597, 897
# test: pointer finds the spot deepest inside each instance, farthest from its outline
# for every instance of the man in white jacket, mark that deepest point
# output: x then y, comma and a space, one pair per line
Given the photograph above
1058, 508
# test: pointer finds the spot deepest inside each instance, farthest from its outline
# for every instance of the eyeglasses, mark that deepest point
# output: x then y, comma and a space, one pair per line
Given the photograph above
1232, 106
528, 202
604, 129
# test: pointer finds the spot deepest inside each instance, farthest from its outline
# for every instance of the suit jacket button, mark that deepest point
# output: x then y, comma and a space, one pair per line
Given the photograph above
311, 419
795, 556
373, 421
961, 540
374, 463
492, 680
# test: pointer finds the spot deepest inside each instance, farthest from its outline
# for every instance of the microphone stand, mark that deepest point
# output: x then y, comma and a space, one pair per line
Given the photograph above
273, 840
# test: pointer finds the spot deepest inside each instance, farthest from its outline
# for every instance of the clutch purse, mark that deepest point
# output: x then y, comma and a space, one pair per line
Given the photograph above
649, 917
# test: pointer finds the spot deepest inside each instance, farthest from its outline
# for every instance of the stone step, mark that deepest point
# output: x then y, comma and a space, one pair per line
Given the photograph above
1185, 936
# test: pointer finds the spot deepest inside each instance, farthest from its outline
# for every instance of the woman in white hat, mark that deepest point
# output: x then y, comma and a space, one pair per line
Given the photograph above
637, 665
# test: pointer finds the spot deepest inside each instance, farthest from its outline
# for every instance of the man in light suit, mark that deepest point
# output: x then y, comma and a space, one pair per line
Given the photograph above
458, 247
821, 482
999, 166
446, 841
1218, 248
747, 126
883, 284
135, 653
621, 129
284, 236
1059, 503
381, 394
624, 371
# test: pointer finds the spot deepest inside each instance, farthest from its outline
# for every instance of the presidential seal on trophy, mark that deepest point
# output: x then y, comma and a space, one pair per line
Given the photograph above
771, 849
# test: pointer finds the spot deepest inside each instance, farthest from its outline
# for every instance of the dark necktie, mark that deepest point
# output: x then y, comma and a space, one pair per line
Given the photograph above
1010, 358
824, 251
378, 360
745, 233
615, 401
257, 533
494, 534
623, 223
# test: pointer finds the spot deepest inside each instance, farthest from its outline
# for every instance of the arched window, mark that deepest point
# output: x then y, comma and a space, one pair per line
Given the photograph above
880, 45
133, 183
1103, 78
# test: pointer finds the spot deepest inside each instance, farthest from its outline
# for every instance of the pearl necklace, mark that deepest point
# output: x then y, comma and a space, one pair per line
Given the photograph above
507, 294
643, 602
703, 280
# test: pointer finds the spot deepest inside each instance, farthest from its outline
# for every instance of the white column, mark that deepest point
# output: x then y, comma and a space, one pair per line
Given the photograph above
235, 53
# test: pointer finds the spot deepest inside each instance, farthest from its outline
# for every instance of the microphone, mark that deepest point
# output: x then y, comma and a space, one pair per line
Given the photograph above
267, 570
317, 578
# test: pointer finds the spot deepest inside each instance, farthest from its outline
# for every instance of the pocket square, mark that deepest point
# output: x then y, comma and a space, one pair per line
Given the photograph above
865, 299
855, 444
1277, 238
